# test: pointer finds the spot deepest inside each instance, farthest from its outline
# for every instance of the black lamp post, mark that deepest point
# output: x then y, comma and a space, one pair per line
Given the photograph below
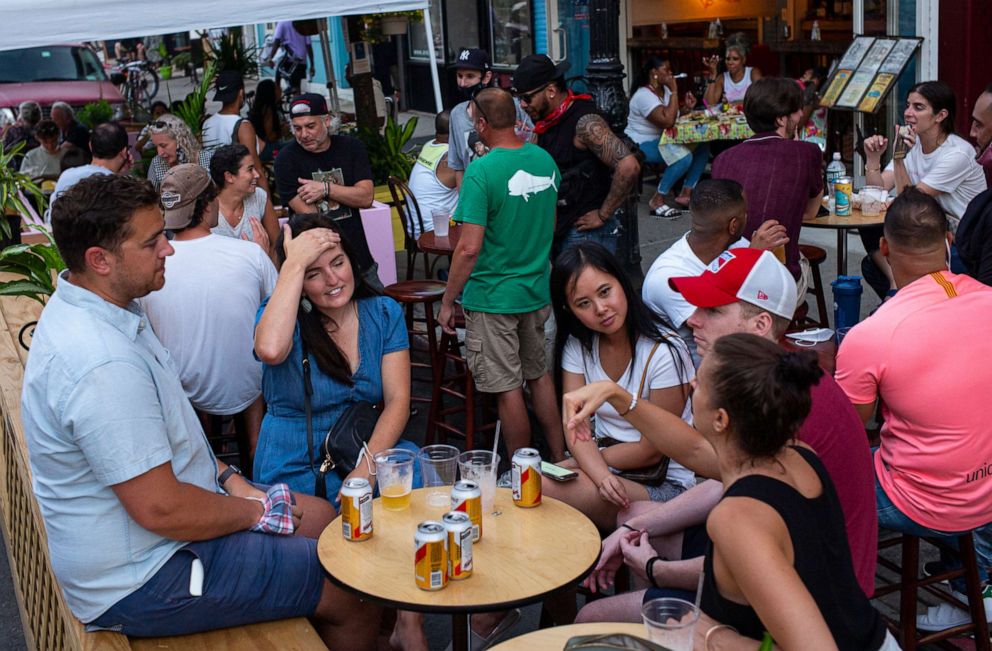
604, 76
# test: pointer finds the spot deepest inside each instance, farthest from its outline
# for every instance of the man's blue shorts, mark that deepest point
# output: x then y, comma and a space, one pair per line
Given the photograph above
248, 577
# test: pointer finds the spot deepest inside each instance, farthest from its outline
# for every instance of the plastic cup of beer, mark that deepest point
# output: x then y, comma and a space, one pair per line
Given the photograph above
442, 219
394, 474
670, 622
439, 467
481, 467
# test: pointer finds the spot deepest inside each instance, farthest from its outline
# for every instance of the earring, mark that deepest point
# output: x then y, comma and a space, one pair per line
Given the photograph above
306, 305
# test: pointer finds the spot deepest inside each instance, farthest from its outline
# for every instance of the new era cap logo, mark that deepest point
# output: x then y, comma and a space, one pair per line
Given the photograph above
302, 106
721, 260
762, 296
171, 199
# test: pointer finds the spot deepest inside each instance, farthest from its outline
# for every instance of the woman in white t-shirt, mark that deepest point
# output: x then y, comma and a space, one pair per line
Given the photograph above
936, 161
651, 111
245, 209
606, 332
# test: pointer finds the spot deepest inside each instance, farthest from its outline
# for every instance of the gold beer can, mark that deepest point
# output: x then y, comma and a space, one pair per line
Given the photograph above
356, 509
458, 526
843, 188
430, 559
526, 478
466, 496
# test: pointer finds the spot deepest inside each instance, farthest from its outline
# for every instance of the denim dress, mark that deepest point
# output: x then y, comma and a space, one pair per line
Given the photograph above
281, 455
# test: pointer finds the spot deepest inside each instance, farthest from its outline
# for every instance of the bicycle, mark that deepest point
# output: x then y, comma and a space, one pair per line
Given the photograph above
139, 84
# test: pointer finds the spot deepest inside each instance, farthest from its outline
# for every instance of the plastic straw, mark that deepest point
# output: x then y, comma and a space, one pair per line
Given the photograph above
499, 425
699, 588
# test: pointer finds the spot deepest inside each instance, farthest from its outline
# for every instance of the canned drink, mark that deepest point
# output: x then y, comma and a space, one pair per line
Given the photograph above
526, 475
466, 496
430, 560
843, 188
356, 509
458, 526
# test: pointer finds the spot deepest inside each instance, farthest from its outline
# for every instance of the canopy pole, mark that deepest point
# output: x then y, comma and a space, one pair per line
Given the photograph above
430, 49
325, 46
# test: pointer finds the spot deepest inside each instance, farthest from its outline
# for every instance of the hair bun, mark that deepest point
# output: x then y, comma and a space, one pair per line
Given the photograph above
799, 368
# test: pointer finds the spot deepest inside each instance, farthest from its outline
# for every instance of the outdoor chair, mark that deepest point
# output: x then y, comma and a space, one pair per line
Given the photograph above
403, 200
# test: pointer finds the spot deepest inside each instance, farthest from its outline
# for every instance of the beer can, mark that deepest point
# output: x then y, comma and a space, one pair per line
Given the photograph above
356, 509
526, 476
458, 526
466, 496
843, 188
430, 559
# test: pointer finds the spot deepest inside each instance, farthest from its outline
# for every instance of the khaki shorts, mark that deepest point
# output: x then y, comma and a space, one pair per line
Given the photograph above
503, 350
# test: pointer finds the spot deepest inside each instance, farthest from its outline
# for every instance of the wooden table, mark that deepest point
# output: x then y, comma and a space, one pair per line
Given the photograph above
429, 243
842, 225
524, 555
557, 636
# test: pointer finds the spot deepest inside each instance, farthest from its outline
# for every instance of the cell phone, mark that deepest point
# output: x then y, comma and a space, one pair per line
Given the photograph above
557, 472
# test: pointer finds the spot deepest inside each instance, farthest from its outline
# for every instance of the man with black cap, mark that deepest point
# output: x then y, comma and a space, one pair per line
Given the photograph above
598, 170
227, 126
473, 72
321, 172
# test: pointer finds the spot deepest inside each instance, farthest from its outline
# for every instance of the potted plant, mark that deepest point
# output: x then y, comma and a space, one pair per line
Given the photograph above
95, 113
378, 28
182, 61
386, 152
14, 187
38, 264
193, 109
232, 54
165, 66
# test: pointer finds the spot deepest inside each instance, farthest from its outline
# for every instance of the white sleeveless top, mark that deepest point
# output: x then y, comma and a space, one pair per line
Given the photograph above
218, 129
431, 194
734, 92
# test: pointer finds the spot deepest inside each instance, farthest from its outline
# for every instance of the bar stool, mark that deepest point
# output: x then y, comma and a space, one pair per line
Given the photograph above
816, 256
911, 582
410, 293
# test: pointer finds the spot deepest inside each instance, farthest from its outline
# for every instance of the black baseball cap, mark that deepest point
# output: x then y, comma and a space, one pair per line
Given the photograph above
473, 58
228, 84
308, 104
535, 71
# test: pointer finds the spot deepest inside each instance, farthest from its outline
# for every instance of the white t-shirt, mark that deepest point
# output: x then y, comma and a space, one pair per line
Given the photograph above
677, 261
254, 207
663, 372
639, 128
205, 318
950, 169
218, 130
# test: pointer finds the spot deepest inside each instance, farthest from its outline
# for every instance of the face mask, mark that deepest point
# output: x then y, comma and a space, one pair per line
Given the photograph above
470, 91
985, 158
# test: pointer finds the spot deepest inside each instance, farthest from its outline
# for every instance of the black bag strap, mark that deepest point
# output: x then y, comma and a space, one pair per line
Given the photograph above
320, 486
234, 132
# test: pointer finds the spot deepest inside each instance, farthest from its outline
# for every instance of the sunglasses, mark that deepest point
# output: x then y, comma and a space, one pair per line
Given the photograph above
527, 98
160, 124
482, 113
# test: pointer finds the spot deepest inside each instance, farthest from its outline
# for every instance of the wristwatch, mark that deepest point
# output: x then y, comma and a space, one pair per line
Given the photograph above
224, 476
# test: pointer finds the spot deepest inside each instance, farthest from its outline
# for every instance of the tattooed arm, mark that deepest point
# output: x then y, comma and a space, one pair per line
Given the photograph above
594, 134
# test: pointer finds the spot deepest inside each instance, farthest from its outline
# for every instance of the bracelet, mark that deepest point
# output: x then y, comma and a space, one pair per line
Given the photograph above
714, 629
649, 570
873, 169
627, 526
633, 403
327, 189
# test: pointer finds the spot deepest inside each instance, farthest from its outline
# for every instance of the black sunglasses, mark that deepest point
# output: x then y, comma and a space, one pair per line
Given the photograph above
482, 113
529, 97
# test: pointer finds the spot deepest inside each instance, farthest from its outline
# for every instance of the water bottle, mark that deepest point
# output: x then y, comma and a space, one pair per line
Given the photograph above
835, 170
847, 304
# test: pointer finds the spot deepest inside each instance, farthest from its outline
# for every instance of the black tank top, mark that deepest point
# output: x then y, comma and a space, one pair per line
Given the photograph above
822, 560
585, 179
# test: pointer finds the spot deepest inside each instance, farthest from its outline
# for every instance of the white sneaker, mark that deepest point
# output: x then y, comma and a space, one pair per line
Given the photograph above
944, 615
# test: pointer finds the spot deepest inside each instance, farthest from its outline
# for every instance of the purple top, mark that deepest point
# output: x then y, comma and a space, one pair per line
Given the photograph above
779, 177
294, 41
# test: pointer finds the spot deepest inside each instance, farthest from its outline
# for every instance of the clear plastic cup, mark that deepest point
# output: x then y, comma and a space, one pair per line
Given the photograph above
442, 219
670, 622
394, 474
481, 467
872, 200
439, 467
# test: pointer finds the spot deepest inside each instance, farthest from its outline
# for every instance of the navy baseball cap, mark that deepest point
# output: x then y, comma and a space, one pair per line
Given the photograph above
308, 104
473, 58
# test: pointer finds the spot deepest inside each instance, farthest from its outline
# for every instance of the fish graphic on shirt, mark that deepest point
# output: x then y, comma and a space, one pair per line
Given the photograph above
522, 184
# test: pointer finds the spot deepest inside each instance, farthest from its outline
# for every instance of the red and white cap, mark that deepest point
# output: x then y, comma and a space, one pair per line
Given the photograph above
749, 275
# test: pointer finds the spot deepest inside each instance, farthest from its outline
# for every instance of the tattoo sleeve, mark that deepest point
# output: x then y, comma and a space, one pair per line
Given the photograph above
593, 132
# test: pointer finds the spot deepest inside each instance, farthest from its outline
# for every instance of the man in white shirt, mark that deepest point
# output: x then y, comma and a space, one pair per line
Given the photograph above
111, 155
432, 182
205, 315
719, 212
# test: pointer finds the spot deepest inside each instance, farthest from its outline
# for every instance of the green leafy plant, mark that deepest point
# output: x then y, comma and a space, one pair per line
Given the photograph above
371, 31
14, 186
163, 52
182, 60
37, 263
193, 109
95, 113
231, 53
386, 152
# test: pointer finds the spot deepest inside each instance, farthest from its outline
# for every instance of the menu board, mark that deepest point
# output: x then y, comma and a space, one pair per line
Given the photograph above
867, 72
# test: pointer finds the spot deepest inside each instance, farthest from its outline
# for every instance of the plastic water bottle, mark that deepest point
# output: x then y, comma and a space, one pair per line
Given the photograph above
835, 170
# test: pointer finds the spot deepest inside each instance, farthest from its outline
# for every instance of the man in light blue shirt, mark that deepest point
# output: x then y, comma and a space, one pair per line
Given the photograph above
148, 533
111, 155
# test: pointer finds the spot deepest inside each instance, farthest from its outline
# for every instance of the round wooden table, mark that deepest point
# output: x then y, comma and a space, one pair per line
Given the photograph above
556, 637
842, 225
429, 243
524, 555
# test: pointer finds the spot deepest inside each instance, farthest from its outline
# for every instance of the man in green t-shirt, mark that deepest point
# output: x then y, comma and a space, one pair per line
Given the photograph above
507, 207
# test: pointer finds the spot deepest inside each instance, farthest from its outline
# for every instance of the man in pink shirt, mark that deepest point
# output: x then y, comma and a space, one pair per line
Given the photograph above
924, 355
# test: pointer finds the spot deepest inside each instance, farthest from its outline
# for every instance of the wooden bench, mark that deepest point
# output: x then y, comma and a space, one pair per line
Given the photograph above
48, 624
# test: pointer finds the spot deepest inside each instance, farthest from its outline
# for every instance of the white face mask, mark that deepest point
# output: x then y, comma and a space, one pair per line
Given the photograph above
811, 337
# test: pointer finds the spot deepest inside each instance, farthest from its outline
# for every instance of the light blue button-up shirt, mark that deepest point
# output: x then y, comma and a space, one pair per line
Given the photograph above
102, 404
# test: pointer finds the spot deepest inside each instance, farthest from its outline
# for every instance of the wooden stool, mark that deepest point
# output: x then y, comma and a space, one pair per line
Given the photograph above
219, 436
816, 256
461, 387
911, 582
409, 293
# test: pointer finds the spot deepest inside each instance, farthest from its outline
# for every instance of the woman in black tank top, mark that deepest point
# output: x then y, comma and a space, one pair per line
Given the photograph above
779, 559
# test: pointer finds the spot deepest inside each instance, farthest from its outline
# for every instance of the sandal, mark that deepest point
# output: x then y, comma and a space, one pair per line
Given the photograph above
667, 212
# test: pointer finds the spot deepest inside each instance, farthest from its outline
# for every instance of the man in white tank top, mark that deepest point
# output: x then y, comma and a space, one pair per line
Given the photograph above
227, 126
432, 182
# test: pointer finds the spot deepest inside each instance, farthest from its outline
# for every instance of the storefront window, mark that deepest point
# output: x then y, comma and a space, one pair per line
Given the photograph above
511, 31
418, 36
463, 27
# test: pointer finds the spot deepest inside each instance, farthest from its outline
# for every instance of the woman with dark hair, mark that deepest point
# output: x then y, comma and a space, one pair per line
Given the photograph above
605, 331
245, 209
652, 110
265, 115
779, 559
929, 156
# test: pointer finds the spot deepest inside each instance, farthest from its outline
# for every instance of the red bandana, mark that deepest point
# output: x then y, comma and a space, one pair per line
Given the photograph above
543, 125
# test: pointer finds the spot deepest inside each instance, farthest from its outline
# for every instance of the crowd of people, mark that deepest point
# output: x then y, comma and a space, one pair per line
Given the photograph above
700, 445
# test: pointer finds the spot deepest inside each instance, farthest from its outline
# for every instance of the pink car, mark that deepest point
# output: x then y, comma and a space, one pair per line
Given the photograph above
69, 73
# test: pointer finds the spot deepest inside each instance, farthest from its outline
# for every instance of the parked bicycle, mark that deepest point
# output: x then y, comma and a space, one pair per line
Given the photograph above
138, 82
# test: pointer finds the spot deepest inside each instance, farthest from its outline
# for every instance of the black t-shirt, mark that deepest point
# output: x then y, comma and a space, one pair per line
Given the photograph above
78, 135
345, 153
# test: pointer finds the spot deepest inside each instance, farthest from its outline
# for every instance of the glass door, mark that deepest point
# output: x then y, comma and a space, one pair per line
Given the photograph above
570, 38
